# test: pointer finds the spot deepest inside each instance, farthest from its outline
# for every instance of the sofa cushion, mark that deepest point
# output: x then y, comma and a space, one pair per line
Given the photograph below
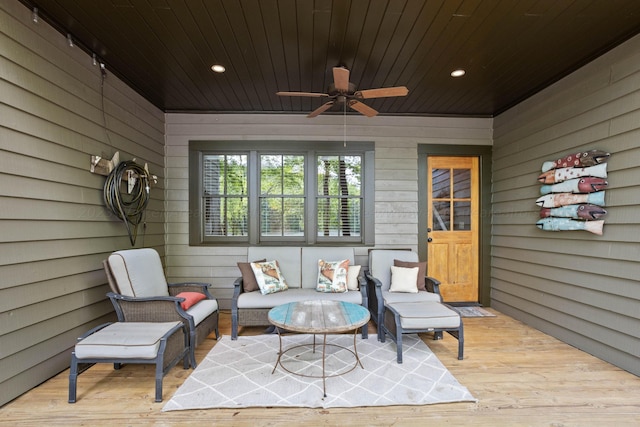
422, 271
255, 300
309, 261
269, 277
288, 258
403, 279
332, 276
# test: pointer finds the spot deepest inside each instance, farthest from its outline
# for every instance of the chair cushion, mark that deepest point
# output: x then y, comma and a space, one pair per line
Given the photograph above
332, 276
381, 260
124, 340
394, 297
403, 279
422, 266
426, 315
203, 309
138, 273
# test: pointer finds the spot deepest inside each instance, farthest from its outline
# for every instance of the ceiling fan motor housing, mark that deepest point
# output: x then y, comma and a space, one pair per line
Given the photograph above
332, 91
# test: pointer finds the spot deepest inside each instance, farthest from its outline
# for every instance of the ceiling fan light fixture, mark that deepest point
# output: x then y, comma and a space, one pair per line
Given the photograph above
218, 68
458, 72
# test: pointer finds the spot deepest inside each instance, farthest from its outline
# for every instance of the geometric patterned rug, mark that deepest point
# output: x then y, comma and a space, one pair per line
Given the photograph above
472, 311
238, 374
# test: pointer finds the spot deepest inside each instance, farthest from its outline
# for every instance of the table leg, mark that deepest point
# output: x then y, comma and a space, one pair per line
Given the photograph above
324, 353
279, 351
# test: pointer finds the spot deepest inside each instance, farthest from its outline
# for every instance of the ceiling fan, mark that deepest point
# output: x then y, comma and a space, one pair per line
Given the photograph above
343, 91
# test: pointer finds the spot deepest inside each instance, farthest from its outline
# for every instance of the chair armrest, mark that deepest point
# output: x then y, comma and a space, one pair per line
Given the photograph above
238, 287
176, 288
362, 286
149, 309
432, 285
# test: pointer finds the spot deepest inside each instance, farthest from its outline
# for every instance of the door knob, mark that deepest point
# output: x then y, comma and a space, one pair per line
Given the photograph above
429, 239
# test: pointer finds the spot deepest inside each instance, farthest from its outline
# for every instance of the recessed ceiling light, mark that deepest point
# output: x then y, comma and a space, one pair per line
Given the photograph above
458, 73
218, 68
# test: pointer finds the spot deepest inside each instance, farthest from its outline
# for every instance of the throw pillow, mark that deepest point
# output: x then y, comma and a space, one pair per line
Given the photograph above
269, 277
190, 299
421, 272
332, 276
249, 283
403, 279
352, 277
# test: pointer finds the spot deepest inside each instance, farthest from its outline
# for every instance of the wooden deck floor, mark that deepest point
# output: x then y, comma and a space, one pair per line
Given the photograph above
521, 377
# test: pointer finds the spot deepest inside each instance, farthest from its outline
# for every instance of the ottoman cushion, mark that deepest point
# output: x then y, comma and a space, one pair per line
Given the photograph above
425, 315
124, 340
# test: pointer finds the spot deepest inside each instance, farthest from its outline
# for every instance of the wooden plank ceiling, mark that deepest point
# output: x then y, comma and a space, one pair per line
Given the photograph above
510, 49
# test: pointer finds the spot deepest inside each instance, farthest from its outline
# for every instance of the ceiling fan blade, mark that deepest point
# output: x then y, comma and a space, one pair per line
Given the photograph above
312, 94
362, 108
341, 79
382, 92
320, 109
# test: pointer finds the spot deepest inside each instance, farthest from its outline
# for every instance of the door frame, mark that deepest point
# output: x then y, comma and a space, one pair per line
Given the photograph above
483, 152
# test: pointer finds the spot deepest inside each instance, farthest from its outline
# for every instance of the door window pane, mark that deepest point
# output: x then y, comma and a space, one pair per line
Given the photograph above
441, 187
441, 216
461, 183
462, 216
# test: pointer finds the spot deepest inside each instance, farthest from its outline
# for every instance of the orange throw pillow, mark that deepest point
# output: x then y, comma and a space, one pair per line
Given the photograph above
190, 299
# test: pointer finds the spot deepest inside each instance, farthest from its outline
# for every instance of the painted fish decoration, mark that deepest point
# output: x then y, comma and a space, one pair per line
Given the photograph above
581, 159
587, 184
555, 176
563, 199
583, 211
567, 224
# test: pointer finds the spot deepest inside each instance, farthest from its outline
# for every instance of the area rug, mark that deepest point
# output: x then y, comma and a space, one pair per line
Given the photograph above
238, 374
472, 311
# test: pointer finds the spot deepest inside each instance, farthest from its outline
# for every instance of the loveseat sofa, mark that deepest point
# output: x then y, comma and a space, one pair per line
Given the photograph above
299, 266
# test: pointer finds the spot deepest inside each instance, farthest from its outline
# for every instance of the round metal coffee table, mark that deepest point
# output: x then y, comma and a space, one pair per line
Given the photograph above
319, 317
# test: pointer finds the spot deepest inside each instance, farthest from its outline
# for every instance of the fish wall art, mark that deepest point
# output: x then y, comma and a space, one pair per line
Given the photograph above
573, 192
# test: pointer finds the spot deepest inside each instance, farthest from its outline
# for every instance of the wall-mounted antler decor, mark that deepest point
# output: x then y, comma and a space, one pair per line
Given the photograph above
573, 192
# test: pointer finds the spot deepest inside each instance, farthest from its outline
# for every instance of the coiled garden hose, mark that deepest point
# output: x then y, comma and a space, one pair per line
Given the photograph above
127, 206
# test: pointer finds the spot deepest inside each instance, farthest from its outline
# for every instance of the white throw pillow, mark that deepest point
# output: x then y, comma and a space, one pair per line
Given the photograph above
404, 279
269, 277
352, 277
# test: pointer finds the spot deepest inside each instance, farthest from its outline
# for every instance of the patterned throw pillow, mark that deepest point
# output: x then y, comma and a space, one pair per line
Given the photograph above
269, 277
332, 276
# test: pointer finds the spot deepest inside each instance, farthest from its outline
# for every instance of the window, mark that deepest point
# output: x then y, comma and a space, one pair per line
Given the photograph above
280, 193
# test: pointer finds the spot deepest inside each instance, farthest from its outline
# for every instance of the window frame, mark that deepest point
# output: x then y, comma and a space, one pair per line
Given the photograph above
310, 150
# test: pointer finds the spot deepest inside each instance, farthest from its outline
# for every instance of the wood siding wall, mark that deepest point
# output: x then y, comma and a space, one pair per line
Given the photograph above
396, 177
582, 288
54, 228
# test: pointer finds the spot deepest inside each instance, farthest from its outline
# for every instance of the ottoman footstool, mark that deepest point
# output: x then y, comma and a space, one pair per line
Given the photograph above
421, 316
162, 343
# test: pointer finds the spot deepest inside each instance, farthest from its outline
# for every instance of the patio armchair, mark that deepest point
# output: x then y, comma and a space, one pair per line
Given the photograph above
140, 293
378, 278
